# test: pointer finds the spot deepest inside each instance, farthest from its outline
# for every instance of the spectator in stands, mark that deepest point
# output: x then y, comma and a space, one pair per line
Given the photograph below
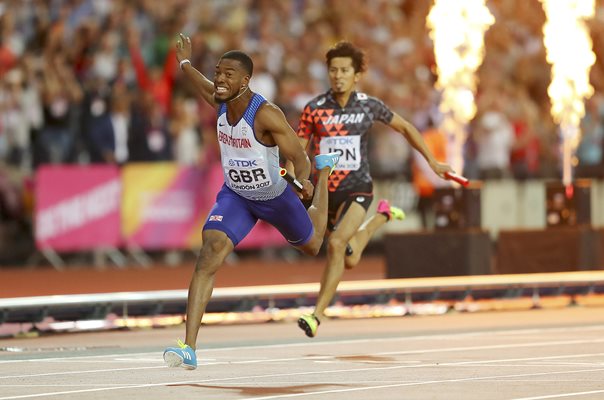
425, 181
10, 42
184, 128
494, 137
591, 144
96, 121
148, 135
19, 114
524, 157
120, 121
153, 79
549, 150
61, 95
263, 81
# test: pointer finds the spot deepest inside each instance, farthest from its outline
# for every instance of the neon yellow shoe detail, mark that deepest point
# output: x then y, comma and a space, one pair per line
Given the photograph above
397, 213
309, 324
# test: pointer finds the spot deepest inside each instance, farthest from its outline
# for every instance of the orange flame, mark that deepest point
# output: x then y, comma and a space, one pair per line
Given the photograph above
569, 51
457, 29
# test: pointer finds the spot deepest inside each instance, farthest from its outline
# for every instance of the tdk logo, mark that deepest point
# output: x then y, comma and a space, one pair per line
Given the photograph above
339, 140
243, 163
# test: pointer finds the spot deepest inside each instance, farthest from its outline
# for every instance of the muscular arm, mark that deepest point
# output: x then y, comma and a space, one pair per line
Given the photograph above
202, 85
402, 126
288, 164
270, 118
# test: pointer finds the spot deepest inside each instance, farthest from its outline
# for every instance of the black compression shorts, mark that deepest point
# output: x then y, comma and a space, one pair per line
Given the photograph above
361, 194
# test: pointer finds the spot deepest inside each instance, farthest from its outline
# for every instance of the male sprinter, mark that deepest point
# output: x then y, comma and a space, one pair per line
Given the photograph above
251, 132
339, 120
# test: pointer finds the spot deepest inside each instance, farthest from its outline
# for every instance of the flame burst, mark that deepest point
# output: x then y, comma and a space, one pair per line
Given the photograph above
569, 51
457, 29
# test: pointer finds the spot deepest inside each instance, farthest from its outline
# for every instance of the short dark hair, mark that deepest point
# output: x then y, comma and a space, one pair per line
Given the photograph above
244, 59
347, 49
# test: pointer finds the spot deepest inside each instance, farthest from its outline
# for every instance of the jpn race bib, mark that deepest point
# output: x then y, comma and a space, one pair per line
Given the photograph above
348, 147
246, 174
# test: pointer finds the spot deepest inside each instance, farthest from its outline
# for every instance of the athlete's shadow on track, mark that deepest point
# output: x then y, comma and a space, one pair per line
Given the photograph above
265, 391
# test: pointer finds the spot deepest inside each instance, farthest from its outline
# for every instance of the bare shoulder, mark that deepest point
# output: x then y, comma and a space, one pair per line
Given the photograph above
269, 114
269, 108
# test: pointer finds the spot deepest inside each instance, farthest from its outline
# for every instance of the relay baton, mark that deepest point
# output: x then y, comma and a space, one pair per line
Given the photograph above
288, 177
463, 181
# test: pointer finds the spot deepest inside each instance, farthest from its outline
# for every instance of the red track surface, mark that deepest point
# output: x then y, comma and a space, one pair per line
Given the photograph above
42, 281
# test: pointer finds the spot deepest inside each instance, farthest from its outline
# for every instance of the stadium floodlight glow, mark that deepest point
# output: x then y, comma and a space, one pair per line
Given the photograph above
569, 51
457, 29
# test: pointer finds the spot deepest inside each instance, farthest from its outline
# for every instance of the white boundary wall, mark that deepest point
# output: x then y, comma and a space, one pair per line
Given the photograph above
505, 204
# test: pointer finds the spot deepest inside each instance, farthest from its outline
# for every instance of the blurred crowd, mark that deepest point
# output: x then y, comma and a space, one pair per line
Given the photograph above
96, 81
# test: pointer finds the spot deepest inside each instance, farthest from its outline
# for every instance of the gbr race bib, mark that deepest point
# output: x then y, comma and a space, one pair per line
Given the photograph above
348, 147
246, 174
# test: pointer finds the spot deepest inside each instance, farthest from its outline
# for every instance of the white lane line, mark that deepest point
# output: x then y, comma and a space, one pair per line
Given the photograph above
57, 359
113, 361
156, 359
315, 343
27, 385
494, 347
461, 363
368, 362
497, 378
545, 380
558, 396
256, 377
93, 371
563, 364
525, 366
331, 357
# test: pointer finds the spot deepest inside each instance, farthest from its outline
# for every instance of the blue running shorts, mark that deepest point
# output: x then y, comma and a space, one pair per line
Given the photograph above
236, 216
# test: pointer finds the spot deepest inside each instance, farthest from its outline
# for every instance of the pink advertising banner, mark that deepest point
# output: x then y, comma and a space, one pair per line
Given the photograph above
77, 207
166, 205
